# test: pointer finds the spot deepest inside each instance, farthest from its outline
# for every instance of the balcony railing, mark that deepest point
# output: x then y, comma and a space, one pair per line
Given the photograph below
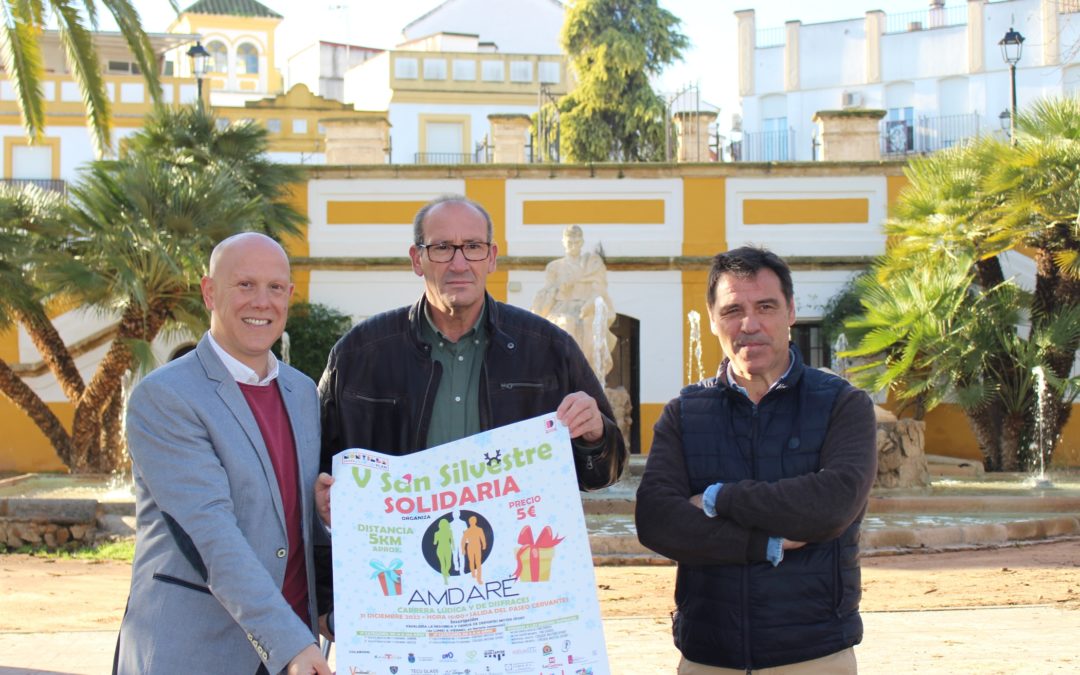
771, 37
765, 146
55, 185
954, 15
927, 134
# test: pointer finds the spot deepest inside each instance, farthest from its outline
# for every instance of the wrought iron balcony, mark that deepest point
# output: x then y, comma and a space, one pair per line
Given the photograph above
928, 134
765, 146
55, 185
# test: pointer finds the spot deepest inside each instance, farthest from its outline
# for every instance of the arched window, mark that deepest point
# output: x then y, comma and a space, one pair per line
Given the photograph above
247, 58
219, 57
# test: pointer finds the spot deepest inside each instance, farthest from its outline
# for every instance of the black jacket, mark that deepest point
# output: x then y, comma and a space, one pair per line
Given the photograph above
380, 382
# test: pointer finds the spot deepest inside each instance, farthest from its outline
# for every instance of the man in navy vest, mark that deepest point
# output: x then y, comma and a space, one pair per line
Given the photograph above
756, 484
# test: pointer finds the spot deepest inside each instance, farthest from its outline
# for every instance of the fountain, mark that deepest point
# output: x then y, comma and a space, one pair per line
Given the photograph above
285, 347
695, 372
1040, 481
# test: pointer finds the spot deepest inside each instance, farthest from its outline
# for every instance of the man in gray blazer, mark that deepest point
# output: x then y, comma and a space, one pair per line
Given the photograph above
224, 443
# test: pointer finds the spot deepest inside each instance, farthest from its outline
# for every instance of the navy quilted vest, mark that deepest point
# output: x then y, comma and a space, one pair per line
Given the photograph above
758, 616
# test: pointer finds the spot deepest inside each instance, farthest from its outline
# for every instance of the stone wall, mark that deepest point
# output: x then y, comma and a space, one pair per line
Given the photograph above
901, 451
54, 523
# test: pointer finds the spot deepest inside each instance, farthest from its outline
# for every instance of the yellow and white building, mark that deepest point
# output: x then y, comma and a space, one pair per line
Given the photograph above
658, 224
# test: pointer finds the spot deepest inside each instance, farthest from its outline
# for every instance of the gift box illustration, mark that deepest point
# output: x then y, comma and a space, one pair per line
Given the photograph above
535, 555
389, 576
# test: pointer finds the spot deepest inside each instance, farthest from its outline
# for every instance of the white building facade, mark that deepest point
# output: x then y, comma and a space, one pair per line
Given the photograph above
939, 74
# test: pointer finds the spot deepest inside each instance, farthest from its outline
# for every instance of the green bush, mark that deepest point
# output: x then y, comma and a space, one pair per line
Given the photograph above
313, 330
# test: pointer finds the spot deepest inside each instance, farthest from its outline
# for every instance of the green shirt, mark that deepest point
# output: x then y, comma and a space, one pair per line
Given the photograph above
456, 411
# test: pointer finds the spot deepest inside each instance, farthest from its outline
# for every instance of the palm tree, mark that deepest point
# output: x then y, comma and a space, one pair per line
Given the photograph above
30, 219
963, 209
22, 58
135, 244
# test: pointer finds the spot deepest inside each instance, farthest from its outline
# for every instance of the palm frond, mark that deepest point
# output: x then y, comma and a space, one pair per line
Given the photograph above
82, 56
20, 52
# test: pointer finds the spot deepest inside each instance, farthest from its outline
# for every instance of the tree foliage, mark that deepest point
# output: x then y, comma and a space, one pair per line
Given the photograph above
942, 319
615, 46
313, 331
132, 244
24, 62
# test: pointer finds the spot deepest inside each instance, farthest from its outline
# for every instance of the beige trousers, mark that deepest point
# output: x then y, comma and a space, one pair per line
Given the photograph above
840, 663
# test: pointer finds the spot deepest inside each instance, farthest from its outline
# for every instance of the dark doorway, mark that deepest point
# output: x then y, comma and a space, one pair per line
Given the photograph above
626, 371
815, 351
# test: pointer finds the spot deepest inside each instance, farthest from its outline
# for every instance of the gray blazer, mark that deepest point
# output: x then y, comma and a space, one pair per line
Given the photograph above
210, 548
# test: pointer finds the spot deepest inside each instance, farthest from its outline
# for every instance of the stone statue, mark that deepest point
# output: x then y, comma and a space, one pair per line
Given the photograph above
574, 298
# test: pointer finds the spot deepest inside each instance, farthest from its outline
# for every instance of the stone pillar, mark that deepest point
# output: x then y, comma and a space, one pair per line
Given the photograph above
363, 139
692, 130
1051, 48
791, 55
875, 27
849, 135
975, 36
508, 134
747, 43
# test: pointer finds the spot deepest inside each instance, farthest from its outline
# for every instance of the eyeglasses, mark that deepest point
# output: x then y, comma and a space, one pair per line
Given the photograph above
474, 251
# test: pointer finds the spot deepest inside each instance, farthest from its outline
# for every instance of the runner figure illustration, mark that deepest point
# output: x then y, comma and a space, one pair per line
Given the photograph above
444, 548
457, 526
473, 543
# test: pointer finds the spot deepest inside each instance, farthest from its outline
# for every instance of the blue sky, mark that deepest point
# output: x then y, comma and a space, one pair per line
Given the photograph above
710, 25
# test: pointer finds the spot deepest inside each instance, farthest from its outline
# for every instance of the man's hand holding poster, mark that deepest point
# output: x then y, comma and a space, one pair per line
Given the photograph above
471, 557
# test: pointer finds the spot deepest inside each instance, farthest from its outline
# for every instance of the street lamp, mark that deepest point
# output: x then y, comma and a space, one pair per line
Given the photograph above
200, 60
1012, 45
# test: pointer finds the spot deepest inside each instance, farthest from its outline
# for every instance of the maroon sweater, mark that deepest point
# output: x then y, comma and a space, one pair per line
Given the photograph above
269, 410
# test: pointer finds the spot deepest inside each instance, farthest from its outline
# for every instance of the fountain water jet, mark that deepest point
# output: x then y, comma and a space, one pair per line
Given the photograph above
693, 357
1040, 480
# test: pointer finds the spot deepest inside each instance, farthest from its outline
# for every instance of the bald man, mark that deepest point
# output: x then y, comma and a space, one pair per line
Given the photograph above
224, 443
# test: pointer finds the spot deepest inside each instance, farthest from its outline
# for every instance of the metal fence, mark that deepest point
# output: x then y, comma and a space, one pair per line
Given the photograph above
905, 22
43, 183
770, 37
927, 134
765, 146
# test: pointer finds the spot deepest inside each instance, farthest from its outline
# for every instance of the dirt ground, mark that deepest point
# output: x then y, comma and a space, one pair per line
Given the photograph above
39, 595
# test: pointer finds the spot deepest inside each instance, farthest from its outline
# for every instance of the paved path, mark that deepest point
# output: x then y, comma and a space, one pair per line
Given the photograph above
1032, 640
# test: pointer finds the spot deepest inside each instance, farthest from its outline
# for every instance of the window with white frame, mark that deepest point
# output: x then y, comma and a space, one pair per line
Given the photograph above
434, 69
548, 72
521, 71
464, 70
406, 68
31, 162
492, 71
219, 57
247, 58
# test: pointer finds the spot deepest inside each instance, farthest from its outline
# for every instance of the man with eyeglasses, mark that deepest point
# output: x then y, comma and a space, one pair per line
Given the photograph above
458, 362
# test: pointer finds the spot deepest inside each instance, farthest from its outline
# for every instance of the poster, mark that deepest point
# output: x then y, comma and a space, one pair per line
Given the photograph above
470, 557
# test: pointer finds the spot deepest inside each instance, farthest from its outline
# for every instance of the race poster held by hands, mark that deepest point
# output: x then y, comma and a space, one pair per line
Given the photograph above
470, 557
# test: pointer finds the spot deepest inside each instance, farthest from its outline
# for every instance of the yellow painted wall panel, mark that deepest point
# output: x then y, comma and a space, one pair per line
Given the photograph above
948, 433
649, 414
704, 225
694, 283
371, 213
491, 194
805, 211
23, 447
593, 212
9, 345
893, 186
298, 246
